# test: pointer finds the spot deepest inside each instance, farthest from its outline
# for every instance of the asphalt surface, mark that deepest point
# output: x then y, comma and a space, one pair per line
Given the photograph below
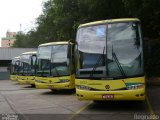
23, 102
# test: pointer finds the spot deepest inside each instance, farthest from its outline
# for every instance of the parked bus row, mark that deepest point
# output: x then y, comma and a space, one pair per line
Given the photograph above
105, 62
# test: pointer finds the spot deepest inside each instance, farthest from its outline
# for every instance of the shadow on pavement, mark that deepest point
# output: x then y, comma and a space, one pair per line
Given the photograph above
59, 92
135, 106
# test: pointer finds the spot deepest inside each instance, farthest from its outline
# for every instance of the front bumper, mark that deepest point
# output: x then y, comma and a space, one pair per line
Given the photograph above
138, 94
54, 85
13, 77
28, 80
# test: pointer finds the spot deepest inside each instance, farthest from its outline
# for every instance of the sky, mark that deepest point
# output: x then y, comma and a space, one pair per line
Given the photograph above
16, 13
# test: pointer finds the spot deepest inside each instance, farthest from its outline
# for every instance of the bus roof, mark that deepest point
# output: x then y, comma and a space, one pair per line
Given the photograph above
30, 53
110, 21
16, 58
54, 43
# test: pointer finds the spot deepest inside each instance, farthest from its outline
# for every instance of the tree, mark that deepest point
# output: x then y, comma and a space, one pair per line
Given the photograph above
61, 18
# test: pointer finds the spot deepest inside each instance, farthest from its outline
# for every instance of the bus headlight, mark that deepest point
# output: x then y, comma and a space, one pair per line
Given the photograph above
63, 80
39, 81
135, 86
83, 87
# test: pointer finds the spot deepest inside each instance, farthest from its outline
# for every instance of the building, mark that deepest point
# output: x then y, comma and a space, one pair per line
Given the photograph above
6, 55
9, 39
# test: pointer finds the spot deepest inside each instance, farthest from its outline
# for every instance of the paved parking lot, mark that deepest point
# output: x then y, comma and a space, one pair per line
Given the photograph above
25, 102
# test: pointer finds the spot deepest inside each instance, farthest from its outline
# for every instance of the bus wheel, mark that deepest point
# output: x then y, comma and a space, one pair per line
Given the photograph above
33, 85
53, 90
98, 101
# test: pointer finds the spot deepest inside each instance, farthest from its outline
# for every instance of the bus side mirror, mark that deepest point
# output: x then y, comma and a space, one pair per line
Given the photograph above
69, 50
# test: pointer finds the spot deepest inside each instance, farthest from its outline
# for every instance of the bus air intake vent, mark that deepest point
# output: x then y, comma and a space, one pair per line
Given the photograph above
91, 72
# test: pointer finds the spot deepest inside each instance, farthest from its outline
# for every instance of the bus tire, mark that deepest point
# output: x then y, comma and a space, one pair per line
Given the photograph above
53, 90
32, 85
97, 101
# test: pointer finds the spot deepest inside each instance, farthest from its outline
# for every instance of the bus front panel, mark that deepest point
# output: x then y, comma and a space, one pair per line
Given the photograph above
109, 61
122, 89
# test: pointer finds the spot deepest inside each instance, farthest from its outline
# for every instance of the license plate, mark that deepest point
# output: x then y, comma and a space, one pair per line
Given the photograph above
109, 96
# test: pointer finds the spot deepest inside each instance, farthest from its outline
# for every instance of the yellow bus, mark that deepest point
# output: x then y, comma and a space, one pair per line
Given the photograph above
109, 60
28, 68
55, 69
14, 68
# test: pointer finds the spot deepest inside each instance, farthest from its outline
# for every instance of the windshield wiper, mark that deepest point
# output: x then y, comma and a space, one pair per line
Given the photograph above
57, 71
118, 63
97, 62
46, 67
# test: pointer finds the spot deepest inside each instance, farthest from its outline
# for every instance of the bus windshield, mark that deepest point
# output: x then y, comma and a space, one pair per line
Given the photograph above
59, 60
52, 60
15, 66
25, 60
111, 50
43, 59
28, 63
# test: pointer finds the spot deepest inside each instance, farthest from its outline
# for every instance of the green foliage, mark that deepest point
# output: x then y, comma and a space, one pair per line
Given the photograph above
61, 18
148, 11
21, 40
